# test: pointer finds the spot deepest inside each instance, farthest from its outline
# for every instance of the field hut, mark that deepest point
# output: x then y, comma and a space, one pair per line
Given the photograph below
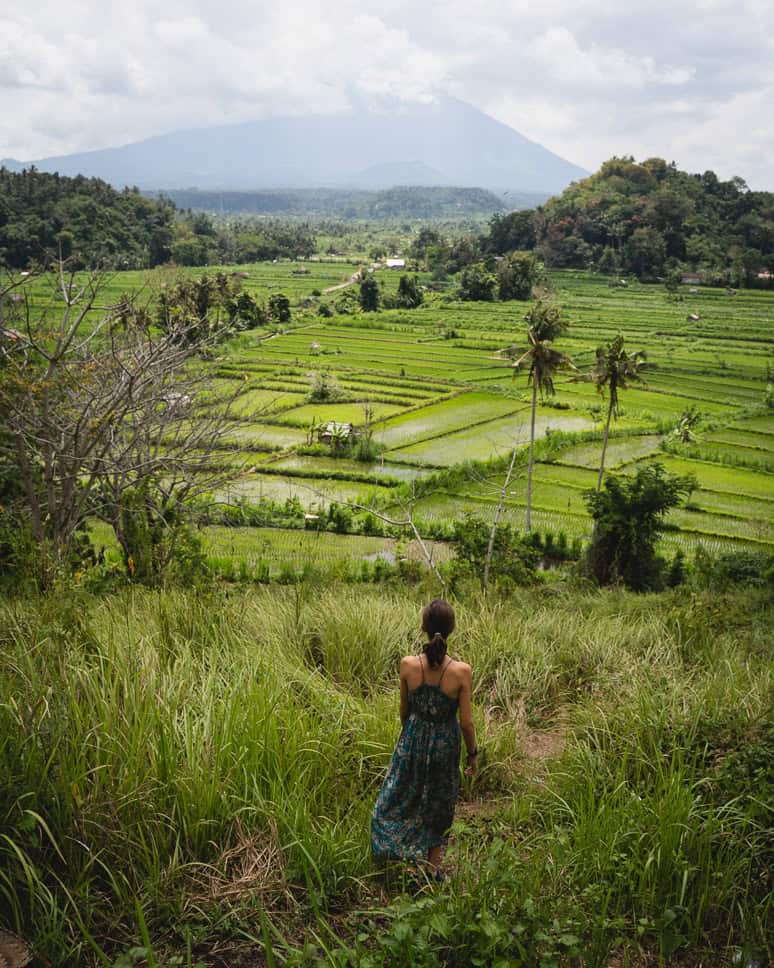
395, 263
337, 434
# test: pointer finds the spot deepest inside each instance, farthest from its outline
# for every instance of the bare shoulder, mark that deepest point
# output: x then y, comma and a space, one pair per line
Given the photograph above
409, 662
462, 668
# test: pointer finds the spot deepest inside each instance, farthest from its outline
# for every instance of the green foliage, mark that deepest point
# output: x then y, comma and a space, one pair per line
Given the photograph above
189, 252
628, 517
614, 370
477, 284
546, 320
514, 558
677, 570
511, 232
408, 296
369, 294
323, 386
400, 202
340, 518
158, 541
750, 568
649, 218
517, 275
206, 309
279, 309
88, 220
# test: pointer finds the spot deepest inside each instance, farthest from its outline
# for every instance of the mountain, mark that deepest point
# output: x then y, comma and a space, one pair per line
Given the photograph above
445, 142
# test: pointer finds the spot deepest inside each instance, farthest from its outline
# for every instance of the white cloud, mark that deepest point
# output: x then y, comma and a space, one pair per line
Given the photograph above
687, 79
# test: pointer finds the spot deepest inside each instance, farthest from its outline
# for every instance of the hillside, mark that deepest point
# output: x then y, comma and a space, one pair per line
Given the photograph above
446, 142
651, 218
397, 202
83, 218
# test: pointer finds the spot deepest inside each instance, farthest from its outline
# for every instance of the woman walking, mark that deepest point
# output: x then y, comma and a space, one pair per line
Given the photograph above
415, 808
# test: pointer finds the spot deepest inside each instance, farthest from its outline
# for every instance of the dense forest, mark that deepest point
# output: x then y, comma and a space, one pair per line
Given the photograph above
398, 202
83, 218
650, 219
90, 223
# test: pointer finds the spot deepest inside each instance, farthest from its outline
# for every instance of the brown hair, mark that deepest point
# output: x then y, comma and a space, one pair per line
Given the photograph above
438, 623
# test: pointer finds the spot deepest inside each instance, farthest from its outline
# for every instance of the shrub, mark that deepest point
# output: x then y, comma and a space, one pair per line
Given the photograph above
628, 518
513, 557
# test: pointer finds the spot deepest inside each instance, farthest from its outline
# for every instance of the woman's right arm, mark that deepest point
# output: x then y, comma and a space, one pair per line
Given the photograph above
466, 718
404, 705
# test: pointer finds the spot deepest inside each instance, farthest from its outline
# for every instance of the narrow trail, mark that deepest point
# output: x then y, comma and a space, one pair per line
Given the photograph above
537, 748
355, 277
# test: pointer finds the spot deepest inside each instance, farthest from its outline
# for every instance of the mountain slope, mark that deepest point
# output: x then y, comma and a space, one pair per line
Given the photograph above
447, 141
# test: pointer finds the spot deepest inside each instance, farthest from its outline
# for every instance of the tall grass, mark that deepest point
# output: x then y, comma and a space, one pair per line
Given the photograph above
203, 763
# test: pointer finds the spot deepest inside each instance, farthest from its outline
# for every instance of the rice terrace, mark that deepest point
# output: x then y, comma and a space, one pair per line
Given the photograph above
441, 393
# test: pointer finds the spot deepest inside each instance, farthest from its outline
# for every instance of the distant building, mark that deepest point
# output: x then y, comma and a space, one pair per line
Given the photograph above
691, 278
395, 263
765, 275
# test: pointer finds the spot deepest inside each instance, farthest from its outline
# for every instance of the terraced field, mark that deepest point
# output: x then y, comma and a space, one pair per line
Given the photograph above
441, 391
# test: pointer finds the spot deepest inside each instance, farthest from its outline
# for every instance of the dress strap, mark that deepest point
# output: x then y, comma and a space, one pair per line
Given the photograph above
422, 666
443, 671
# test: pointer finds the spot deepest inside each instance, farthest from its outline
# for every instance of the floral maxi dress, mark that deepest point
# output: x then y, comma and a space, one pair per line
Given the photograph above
415, 807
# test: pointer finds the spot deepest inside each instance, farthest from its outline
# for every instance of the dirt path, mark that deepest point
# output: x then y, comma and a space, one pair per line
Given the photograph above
355, 277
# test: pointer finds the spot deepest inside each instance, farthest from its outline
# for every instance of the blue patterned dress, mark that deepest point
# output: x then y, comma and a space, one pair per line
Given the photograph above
415, 807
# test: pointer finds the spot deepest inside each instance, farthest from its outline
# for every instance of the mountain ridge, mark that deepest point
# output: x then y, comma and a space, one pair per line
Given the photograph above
447, 142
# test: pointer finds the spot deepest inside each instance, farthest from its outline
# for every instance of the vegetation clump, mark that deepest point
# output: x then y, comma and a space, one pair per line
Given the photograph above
628, 515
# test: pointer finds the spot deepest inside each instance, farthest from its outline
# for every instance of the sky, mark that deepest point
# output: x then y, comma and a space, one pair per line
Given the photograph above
691, 81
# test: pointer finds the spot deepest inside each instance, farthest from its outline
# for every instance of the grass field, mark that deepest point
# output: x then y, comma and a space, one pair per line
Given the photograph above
193, 773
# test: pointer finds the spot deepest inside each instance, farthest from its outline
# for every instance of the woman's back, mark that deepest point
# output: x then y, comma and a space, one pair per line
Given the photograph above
449, 676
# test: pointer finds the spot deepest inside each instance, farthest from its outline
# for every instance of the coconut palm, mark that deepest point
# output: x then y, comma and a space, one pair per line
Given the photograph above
614, 369
545, 325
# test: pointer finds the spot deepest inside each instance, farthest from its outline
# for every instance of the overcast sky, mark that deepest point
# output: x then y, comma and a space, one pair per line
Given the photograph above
688, 80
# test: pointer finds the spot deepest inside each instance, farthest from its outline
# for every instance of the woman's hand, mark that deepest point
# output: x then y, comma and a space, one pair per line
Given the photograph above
471, 764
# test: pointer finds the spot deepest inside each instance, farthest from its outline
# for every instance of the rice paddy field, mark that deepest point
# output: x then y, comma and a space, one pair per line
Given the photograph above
438, 392
441, 393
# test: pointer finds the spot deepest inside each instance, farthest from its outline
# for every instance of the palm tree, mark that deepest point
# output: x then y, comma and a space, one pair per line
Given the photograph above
615, 369
545, 325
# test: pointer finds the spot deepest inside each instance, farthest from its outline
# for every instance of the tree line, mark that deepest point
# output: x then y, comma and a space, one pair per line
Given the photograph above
647, 218
650, 219
86, 221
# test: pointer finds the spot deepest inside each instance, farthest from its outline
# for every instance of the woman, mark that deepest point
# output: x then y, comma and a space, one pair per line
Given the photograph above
415, 808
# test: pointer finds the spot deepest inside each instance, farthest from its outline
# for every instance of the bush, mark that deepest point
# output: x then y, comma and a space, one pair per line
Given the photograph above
755, 568
477, 283
513, 557
628, 518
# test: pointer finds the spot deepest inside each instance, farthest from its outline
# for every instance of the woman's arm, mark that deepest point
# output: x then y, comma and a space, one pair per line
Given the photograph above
466, 717
404, 705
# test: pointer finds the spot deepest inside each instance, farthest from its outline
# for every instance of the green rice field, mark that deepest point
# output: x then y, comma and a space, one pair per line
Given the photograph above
441, 393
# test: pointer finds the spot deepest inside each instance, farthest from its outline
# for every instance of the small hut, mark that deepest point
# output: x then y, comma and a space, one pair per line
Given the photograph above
337, 434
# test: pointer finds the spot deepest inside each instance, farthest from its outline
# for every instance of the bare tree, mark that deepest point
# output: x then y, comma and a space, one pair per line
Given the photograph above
498, 512
99, 402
